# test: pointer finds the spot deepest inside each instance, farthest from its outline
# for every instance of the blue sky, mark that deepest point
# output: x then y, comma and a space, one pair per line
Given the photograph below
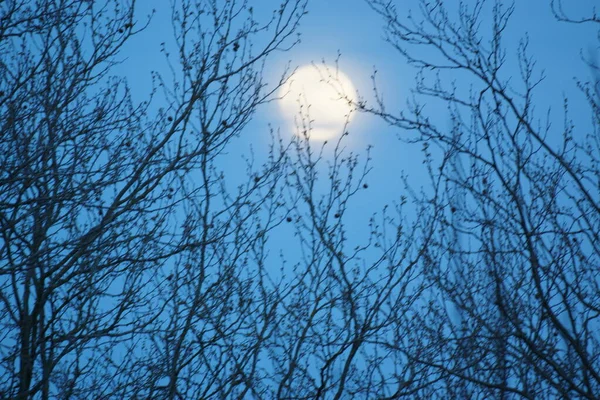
352, 29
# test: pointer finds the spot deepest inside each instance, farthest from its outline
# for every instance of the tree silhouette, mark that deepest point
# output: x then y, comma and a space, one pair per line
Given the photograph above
111, 247
132, 265
513, 309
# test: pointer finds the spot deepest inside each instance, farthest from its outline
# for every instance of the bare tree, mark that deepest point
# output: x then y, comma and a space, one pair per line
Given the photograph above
348, 295
132, 266
120, 238
515, 298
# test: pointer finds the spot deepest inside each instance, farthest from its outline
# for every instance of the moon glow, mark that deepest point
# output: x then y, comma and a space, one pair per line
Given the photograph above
318, 94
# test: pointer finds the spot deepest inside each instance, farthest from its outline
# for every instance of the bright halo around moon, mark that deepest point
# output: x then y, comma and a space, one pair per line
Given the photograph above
319, 94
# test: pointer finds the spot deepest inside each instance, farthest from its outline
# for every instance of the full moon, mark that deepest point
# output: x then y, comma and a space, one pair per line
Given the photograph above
320, 95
